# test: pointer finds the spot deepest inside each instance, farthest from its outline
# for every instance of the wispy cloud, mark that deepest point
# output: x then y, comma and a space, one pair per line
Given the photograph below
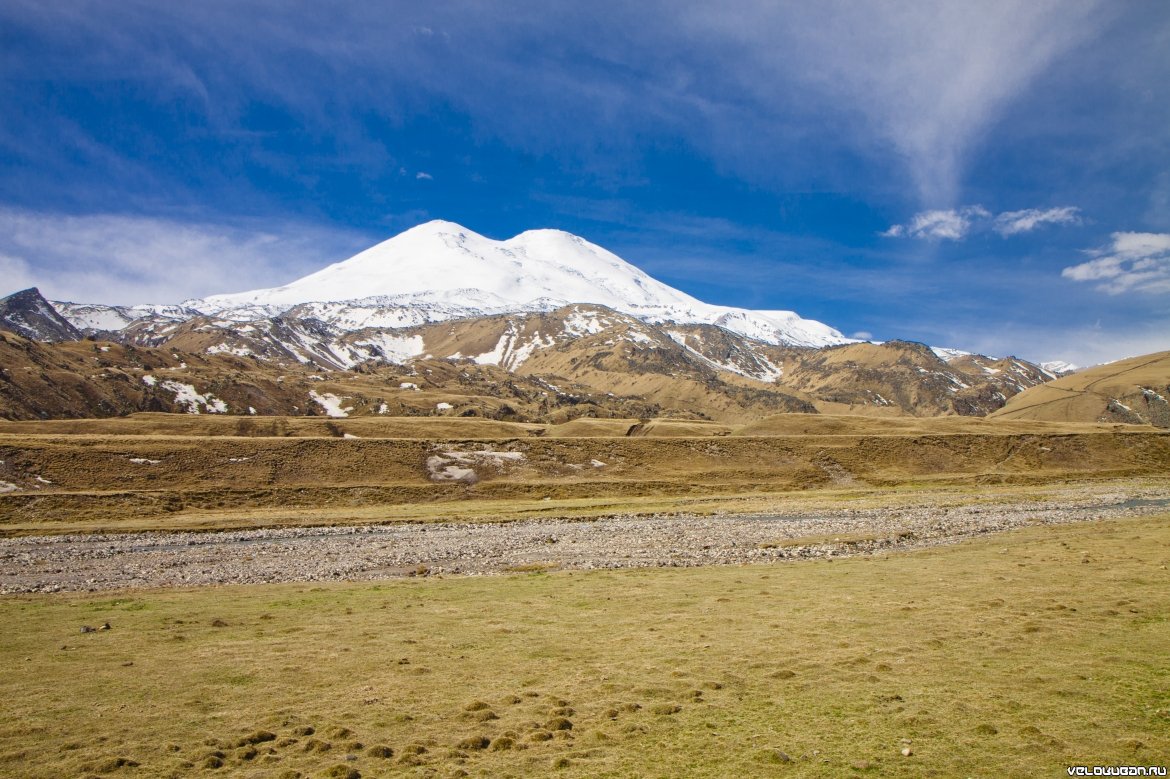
17, 274
951, 224
929, 80
1132, 262
1014, 222
1080, 344
955, 224
916, 86
422, 175
109, 258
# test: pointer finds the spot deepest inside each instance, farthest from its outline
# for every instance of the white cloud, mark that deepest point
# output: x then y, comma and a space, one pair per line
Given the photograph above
955, 224
947, 224
1013, 222
929, 80
863, 335
105, 258
1133, 262
1080, 344
423, 175
16, 274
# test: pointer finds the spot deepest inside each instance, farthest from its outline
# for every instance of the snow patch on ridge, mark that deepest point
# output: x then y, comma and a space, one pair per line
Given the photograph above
188, 397
97, 316
766, 370
946, 355
1058, 367
392, 348
512, 350
330, 404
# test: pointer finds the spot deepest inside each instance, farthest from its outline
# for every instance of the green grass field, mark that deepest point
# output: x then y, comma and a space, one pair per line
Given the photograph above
1012, 655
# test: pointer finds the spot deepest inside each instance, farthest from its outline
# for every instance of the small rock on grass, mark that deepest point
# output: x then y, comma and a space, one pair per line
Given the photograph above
773, 756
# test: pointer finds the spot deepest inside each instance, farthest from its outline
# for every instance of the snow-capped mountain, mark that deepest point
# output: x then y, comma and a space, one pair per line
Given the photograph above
440, 270
513, 322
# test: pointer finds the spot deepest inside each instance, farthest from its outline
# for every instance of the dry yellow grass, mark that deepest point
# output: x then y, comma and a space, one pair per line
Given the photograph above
438, 428
1014, 655
156, 424
1089, 395
853, 425
619, 428
585, 427
66, 482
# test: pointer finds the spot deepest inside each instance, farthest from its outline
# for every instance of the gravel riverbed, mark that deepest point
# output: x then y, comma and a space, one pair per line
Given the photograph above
110, 562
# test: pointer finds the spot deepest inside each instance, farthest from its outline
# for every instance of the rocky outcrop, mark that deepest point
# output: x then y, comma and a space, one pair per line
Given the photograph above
28, 314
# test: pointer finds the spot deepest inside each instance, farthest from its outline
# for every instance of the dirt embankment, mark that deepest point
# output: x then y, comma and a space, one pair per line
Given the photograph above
69, 477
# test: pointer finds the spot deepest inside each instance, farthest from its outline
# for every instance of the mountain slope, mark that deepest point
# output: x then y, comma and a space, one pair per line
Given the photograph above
449, 271
1133, 391
908, 377
27, 313
88, 379
100, 318
699, 370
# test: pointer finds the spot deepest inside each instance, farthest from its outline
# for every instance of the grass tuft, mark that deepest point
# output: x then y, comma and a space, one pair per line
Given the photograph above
475, 742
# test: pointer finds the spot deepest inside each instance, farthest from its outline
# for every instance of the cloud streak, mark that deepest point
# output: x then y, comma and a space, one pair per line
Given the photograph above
1016, 222
955, 224
911, 85
948, 224
1131, 262
123, 259
929, 80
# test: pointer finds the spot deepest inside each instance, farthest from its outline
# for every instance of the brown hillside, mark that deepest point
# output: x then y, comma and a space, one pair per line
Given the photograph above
610, 352
1132, 391
553, 367
908, 377
95, 379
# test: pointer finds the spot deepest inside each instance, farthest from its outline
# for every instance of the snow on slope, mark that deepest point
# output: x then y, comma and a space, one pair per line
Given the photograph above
97, 316
440, 270
1059, 367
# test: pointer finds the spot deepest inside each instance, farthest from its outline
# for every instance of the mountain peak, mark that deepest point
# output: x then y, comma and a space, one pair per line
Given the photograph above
436, 263
28, 314
440, 226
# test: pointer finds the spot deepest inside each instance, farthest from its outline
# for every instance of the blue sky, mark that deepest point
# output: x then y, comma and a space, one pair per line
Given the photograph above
990, 176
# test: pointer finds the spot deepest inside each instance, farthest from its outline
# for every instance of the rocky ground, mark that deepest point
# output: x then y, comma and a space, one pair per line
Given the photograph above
108, 562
